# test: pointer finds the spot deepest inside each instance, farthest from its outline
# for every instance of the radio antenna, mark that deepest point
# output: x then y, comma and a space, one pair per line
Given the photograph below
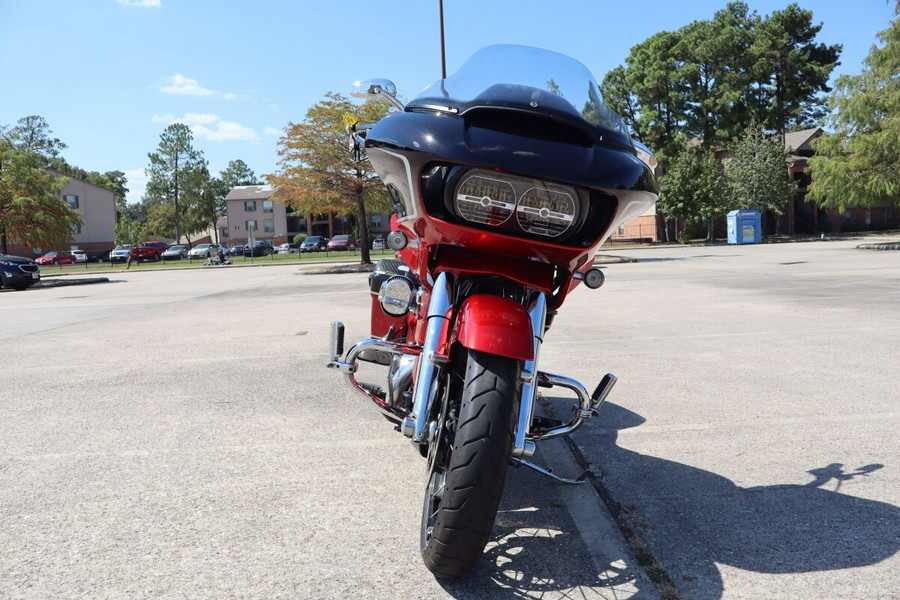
443, 58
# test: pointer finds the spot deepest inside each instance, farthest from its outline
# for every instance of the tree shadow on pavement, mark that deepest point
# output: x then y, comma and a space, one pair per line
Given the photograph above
692, 519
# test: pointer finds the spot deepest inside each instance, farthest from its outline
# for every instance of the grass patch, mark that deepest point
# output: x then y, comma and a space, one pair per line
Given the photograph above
279, 259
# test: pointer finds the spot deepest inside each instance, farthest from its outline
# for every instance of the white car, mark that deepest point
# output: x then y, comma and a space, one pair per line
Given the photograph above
176, 252
80, 256
287, 249
203, 251
120, 253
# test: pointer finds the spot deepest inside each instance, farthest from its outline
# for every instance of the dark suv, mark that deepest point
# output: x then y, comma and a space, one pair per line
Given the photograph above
18, 272
259, 249
314, 243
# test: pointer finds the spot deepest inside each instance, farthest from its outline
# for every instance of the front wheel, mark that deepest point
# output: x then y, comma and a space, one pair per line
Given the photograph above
468, 473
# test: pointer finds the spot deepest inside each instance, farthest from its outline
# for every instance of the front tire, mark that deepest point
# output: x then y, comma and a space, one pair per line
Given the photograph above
466, 483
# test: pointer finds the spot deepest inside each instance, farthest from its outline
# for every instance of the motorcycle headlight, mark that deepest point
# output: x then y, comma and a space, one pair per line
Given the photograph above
485, 200
546, 211
542, 208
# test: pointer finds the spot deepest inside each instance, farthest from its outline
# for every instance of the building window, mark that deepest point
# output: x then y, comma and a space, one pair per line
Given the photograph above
249, 205
268, 206
269, 225
250, 225
376, 221
71, 200
76, 229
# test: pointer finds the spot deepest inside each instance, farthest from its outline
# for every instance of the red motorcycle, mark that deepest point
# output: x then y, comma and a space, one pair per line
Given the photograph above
505, 178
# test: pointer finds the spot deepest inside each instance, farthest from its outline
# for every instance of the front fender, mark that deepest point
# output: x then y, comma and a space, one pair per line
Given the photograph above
495, 325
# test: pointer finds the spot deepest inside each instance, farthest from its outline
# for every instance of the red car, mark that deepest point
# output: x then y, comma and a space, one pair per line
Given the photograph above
342, 242
63, 257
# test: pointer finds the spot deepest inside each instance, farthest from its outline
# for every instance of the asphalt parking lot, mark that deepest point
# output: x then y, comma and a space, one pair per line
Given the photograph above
174, 434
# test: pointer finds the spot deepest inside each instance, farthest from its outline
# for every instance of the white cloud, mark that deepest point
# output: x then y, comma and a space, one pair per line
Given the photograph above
179, 85
137, 184
225, 131
211, 127
141, 3
273, 131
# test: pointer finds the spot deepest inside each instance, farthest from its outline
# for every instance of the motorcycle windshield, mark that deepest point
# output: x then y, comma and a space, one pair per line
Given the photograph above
527, 79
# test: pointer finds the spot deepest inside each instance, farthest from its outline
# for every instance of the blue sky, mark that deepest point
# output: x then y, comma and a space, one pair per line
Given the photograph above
110, 75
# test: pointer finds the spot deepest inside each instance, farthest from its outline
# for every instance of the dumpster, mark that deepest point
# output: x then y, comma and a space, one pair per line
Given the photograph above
744, 227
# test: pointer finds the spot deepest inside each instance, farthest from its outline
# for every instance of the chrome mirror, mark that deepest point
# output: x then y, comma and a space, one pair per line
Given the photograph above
377, 88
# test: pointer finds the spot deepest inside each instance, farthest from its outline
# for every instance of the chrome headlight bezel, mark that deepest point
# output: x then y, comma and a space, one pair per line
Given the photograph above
396, 296
542, 209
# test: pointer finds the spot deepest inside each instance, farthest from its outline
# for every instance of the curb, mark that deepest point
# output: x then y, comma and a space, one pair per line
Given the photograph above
884, 246
44, 283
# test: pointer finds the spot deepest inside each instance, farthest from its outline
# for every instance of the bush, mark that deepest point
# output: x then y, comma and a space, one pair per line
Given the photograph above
298, 239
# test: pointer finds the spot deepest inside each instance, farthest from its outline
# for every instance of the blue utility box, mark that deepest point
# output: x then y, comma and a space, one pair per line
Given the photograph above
744, 227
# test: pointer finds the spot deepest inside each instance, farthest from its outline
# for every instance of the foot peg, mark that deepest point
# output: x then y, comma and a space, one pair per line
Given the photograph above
602, 391
337, 340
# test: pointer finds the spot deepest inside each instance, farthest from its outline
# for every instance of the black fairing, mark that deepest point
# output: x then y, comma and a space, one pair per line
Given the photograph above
526, 143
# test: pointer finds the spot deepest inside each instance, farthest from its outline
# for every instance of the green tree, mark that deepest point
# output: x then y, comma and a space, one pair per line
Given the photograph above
692, 190
32, 213
858, 164
171, 172
317, 173
129, 231
202, 198
712, 78
657, 79
716, 69
757, 172
32, 134
793, 68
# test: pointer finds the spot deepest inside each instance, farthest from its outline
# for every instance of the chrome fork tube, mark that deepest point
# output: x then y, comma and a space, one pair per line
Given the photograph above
521, 447
438, 306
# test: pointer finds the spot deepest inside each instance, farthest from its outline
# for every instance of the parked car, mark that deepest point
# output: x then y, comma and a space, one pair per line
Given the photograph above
203, 251
288, 249
378, 243
120, 253
314, 243
80, 256
342, 242
97, 256
149, 251
260, 248
176, 252
236, 249
63, 257
18, 272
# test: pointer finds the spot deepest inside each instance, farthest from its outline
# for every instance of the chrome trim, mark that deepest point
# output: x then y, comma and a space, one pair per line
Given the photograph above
436, 107
549, 472
438, 307
348, 367
379, 88
400, 376
583, 410
538, 315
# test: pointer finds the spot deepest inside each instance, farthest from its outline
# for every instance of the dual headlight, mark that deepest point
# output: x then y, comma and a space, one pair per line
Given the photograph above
540, 208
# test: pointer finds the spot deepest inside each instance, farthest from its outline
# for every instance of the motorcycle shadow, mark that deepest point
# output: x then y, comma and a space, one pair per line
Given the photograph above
535, 551
692, 519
